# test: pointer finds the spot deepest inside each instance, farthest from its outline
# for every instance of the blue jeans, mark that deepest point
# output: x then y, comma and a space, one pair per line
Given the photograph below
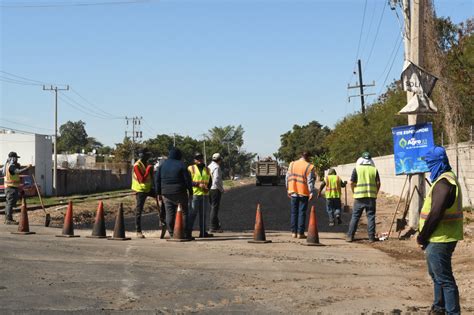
369, 204
333, 208
446, 294
299, 206
199, 207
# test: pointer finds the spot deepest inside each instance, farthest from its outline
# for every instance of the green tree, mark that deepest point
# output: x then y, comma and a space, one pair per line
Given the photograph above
124, 152
73, 137
308, 137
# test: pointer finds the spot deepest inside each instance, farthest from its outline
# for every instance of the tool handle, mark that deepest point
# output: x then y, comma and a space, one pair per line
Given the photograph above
39, 194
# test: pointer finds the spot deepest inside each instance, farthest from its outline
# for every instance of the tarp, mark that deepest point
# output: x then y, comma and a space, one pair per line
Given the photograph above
410, 143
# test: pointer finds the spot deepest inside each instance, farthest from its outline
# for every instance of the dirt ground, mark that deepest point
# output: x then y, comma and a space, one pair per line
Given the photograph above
226, 274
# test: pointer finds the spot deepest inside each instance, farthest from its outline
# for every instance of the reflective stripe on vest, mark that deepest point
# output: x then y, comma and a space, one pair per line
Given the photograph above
136, 185
298, 173
199, 178
366, 186
450, 228
11, 180
333, 186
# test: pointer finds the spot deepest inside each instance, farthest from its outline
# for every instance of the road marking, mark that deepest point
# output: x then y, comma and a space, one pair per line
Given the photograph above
128, 282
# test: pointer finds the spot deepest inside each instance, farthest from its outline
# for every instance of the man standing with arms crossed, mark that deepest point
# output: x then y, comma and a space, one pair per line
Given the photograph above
215, 194
441, 227
300, 180
142, 179
365, 184
12, 170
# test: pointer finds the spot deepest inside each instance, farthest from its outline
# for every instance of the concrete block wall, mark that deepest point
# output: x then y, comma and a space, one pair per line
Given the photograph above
392, 184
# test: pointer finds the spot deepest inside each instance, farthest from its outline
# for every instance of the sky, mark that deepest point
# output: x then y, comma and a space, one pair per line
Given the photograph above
187, 66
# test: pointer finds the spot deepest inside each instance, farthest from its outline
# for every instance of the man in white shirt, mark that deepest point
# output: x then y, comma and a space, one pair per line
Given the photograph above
215, 193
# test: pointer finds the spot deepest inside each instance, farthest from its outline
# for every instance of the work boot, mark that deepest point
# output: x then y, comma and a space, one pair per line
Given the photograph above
140, 235
373, 239
338, 219
302, 236
11, 222
349, 239
408, 234
331, 223
206, 235
294, 235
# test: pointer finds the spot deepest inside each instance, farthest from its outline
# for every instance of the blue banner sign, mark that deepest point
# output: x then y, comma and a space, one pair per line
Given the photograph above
410, 143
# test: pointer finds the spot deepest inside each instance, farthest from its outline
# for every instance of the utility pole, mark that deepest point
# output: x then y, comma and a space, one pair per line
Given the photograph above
55, 160
413, 11
360, 85
136, 133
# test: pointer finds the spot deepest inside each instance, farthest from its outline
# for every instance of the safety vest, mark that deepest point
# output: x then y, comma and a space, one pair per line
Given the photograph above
199, 178
366, 186
298, 173
450, 228
333, 186
136, 185
11, 180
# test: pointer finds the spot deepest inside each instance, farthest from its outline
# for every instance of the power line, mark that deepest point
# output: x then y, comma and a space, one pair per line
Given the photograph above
361, 30
17, 5
369, 29
72, 103
375, 37
25, 125
13, 81
391, 65
22, 78
17, 130
95, 106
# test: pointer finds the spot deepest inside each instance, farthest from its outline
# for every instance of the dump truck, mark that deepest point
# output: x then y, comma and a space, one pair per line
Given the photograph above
267, 172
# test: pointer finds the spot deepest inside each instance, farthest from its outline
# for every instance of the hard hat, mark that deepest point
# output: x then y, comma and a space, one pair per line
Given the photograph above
366, 155
198, 156
216, 157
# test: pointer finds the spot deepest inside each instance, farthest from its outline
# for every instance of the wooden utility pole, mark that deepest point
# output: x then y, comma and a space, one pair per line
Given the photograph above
361, 87
55, 160
414, 37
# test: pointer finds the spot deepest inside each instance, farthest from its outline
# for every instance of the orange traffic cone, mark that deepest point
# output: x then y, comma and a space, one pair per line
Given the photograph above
313, 235
119, 229
98, 231
24, 226
68, 228
179, 229
259, 232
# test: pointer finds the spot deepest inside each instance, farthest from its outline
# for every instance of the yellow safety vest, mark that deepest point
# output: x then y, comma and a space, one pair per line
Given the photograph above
333, 186
136, 185
11, 180
199, 178
450, 228
298, 177
366, 186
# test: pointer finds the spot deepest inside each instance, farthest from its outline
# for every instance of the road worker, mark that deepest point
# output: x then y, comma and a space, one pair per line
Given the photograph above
333, 184
202, 182
173, 184
215, 194
12, 170
300, 180
441, 227
142, 179
365, 185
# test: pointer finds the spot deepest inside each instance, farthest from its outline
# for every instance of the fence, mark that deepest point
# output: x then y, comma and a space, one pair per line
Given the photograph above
77, 181
461, 160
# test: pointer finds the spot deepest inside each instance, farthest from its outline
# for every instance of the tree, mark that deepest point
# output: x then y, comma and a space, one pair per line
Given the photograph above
124, 152
93, 144
73, 137
308, 137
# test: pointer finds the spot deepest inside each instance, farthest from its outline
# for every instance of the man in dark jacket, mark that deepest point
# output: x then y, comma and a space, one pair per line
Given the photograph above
173, 184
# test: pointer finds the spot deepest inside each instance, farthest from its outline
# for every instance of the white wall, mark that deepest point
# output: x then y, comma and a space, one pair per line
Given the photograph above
393, 184
32, 149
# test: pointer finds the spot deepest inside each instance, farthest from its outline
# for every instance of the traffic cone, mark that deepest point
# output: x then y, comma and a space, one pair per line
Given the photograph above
259, 232
179, 229
119, 229
68, 228
313, 235
24, 226
98, 231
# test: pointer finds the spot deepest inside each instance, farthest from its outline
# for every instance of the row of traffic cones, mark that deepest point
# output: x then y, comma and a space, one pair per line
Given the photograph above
312, 238
98, 230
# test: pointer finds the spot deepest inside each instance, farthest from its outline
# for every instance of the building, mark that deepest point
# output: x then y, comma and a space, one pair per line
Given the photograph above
34, 149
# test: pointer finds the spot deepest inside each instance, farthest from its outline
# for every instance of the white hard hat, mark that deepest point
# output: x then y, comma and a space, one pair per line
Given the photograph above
216, 157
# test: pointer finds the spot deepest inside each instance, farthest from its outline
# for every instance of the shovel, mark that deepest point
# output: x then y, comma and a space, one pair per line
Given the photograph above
347, 208
48, 216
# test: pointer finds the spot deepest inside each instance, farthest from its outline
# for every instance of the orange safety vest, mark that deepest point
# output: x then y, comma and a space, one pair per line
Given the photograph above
298, 173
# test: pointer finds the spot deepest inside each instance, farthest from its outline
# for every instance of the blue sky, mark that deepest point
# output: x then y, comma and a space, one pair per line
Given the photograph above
186, 66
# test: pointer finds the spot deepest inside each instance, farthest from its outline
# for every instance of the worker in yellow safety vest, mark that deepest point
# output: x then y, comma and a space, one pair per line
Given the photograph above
333, 184
300, 180
12, 170
365, 185
142, 179
440, 228
202, 182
